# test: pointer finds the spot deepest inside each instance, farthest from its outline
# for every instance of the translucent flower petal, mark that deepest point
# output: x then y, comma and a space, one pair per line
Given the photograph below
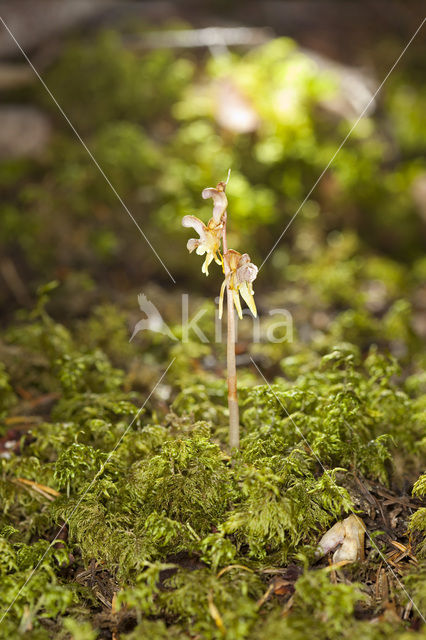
222, 292
192, 244
240, 274
208, 242
246, 291
207, 261
220, 201
195, 223
246, 271
237, 303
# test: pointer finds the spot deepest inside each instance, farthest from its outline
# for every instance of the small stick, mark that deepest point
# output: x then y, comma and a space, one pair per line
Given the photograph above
46, 492
234, 413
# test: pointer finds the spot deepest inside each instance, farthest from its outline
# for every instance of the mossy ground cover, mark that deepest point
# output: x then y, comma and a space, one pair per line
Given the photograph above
169, 535
123, 512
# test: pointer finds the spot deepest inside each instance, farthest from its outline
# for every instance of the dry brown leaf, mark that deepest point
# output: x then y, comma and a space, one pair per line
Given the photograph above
42, 489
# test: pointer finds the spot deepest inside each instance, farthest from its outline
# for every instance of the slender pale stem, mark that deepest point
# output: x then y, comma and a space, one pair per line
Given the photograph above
234, 414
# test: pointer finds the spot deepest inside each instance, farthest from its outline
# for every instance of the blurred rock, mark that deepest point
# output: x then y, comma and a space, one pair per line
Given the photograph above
24, 132
15, 75
33, 22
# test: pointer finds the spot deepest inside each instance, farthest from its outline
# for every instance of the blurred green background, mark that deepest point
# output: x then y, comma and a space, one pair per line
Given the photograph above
164, 119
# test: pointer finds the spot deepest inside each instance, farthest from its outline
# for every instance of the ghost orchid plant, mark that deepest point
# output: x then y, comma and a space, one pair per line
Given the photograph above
239, 275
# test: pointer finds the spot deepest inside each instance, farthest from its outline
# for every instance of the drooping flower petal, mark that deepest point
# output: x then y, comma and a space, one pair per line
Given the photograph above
195, 223
233, 259
192, 244
222, 291
240, 275
220, 201
208, 242
246, 271
246, 291
206, 263
237, 303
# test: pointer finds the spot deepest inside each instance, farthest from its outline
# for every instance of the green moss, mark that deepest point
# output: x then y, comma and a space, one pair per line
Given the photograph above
169, 492
418, 519
117, 85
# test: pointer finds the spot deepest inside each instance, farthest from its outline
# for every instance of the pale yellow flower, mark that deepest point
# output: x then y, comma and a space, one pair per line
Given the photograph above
210, 236
241, 274
209, 241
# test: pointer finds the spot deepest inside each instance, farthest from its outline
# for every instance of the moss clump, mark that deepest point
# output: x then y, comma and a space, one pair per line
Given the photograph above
418, 520
185, 536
